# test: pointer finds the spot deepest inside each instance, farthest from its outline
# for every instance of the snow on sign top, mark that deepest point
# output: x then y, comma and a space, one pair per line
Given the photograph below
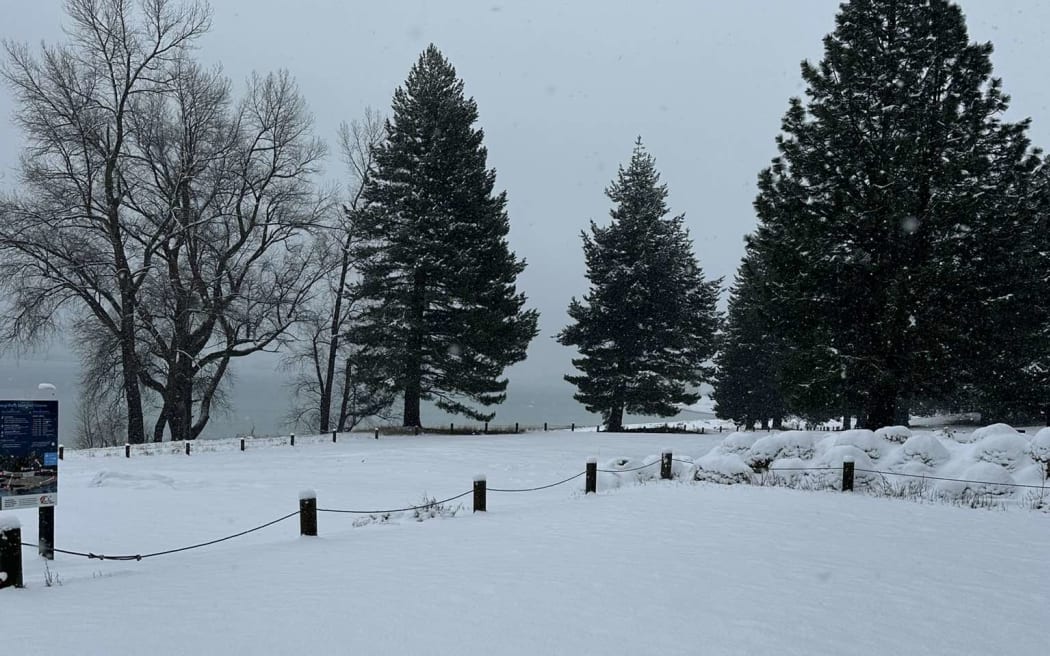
9, 522
46, 386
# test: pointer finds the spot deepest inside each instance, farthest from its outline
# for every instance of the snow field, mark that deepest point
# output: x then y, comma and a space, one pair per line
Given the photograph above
645, 566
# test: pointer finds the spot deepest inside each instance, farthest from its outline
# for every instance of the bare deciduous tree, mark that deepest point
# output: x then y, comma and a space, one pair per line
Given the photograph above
156, 209
335, 386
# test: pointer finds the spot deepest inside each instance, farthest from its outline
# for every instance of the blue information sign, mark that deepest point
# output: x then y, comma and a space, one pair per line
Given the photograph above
28, 454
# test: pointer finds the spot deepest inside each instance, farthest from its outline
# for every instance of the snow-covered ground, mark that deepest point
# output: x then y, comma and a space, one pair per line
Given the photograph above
641, 568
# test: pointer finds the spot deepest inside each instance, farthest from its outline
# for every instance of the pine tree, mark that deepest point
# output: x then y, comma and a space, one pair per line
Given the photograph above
438, 277
646, 329
887, 216
746, 387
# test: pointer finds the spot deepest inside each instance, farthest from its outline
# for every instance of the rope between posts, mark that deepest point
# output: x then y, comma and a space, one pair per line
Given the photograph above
953, 480
95, 556
395, 510
806, 469
534, 489
622, 471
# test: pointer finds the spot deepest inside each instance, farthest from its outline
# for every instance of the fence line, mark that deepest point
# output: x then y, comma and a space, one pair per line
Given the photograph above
308, 508
922, 476
138, 557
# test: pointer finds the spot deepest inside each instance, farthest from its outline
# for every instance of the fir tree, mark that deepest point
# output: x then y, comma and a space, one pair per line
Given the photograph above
886, 217
746, 388
438, 279
646, 329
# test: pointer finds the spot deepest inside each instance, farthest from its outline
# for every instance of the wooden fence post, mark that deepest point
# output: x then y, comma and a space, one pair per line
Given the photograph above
479, 493
61, 452
701, 430
544, 427
451, 429
377, 433
486, 428
10, 552
591, 486
292, 439
333, 437
46, 532
308, 513
516, 427
847, 475
665, 465
242, 444
187, 447
127, 450
573, 427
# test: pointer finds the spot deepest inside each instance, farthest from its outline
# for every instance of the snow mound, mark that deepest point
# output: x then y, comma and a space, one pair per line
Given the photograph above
836, 455
987, 431
1041, 445
865, 440
925, 449
898, 434
722, 468
739, 443
983, 478
1003, 449
144, 481
789, 444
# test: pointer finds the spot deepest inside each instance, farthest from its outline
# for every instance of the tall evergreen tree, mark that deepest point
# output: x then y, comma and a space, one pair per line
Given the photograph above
888, 218
746, 385
646, 329
438, 277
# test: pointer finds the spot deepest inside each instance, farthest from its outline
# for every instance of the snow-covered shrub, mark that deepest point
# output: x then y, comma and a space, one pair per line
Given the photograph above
1041, 445
925, 449
896, 434
739, 443
865, 440
986, 431
1003, 449
722, 468
789, 444
982, 478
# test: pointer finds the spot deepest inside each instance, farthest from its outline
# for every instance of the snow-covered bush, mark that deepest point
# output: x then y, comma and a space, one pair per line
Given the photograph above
739, 443
1003, 449
1041, 445
986, 431
896, 434
789, 444
722, 468
982, 478
925, 449
865, 440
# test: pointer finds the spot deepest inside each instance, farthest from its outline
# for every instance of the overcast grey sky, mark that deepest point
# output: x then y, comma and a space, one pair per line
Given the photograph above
563, 88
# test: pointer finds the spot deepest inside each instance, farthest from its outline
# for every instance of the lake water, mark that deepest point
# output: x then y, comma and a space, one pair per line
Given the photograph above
260, 400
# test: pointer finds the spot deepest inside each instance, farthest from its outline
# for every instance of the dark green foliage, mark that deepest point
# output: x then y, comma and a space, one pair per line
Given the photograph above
897, 222
438, 284
746, 386
646, 329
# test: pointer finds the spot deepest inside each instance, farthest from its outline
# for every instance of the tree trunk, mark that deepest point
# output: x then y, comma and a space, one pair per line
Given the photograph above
778, 423
765, 423
615, 421
1046, 413
882, 406
328, 384
130, 365
414, 357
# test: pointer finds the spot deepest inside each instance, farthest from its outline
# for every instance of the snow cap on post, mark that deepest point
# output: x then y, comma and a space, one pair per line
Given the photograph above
307, 494
479, 478
9, 523
592, 461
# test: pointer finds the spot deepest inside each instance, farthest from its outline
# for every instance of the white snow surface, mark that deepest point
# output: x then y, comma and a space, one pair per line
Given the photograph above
643, 567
